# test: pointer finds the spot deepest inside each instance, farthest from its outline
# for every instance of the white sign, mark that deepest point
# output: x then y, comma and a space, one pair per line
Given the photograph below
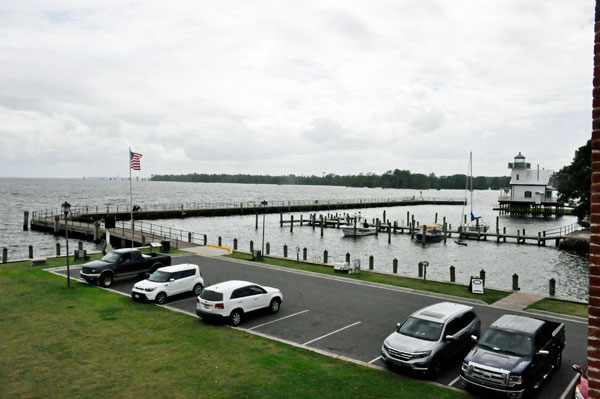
477, 286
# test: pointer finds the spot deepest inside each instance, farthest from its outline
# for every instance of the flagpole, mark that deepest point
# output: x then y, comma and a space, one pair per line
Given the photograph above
130, 198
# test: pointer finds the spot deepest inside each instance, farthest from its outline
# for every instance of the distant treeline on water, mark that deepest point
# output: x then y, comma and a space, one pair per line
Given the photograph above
390, 179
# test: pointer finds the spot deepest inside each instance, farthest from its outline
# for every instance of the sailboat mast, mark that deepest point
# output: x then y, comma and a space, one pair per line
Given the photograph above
471, 178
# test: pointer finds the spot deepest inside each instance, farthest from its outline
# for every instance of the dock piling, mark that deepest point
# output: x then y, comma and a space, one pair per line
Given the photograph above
26, 220
219, 241
285, 251
515, 282
304, 253
325, 256
395, 266
31, 252
322, 225
291, 223
205, 239
235, 244
256, 223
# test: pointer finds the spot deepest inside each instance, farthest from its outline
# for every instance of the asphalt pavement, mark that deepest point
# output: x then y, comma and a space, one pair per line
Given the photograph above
350, 318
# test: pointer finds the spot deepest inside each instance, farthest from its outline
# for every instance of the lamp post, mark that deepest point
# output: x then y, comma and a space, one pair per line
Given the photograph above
66, 208
264, 205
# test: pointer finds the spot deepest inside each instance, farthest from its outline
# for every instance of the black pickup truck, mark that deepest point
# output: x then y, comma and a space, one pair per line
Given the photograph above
122, 263
514, 356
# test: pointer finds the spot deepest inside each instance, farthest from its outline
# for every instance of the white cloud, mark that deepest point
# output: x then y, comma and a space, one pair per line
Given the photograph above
304, 87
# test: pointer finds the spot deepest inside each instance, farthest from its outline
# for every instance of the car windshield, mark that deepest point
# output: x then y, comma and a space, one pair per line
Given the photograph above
509, 342
159, 277
422, 329
111, 257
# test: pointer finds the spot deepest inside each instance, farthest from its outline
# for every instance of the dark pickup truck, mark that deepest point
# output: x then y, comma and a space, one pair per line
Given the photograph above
514, 356
122, 263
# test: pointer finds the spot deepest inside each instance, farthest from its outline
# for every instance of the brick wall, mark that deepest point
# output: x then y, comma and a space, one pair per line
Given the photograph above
594, 308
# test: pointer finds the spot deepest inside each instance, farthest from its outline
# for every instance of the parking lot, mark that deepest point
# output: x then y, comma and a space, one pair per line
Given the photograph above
349, 318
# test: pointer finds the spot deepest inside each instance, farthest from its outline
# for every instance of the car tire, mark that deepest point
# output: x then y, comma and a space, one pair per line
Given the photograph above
106, 280
161, 298
274, 305
558, 361
197, 290
435, 368
155, 267
235, 318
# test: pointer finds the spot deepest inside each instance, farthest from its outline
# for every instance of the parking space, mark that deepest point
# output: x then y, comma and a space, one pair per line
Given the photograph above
348, 318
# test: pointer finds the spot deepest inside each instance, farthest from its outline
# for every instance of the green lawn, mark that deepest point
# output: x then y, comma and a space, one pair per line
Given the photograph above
490, 296
85, 342
558, 306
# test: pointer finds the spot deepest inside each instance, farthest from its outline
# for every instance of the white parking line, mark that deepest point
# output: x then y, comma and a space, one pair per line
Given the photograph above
274, 321
374, 360
331, 333
569, 387
454, 381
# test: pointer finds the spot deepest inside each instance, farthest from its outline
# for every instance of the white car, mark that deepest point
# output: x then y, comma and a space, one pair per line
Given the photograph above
231, 300
169, 281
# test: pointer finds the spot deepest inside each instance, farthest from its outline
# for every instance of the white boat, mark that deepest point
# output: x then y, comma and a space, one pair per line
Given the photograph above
433, 232
476, 223
363, 228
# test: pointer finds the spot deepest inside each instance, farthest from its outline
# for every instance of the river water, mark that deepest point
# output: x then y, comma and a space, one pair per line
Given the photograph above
534, 265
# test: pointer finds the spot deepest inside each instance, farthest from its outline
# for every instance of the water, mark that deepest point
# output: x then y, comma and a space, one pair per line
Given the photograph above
534, 265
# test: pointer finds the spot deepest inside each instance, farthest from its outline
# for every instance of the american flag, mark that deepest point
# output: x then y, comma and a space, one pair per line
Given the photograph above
134, 158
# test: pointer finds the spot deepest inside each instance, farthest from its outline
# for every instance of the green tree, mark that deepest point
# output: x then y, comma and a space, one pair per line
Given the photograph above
575, 180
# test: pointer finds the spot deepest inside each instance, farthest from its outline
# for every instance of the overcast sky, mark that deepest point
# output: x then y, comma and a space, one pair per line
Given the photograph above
302, 87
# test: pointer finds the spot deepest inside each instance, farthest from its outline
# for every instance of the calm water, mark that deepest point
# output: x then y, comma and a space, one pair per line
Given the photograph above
534, 265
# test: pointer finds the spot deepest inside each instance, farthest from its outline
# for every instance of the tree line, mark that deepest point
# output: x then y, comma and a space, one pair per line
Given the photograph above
390, 179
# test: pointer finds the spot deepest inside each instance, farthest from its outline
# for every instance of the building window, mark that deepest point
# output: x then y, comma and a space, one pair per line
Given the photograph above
517, 176
527, 194
548, 193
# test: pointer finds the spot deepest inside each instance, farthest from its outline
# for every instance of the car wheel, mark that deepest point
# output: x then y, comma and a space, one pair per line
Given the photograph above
235, 318
198, 289
558, 361
274, 306
106, 280
161, 298
435, 367
156, 266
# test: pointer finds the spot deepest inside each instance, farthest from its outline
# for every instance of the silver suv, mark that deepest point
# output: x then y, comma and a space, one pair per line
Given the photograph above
432, 336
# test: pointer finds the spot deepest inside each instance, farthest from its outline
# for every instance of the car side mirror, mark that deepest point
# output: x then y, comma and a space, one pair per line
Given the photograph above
474, 338
543, 353
577, 368
450, 338
398, 325
171, 279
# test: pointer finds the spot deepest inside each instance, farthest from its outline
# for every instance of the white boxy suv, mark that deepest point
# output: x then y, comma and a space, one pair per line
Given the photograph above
169, 281
231, 300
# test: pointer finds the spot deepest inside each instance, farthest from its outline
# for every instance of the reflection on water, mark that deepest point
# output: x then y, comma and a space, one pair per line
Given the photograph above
534, 265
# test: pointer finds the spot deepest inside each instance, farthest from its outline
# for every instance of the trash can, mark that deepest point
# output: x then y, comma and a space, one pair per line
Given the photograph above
166, 245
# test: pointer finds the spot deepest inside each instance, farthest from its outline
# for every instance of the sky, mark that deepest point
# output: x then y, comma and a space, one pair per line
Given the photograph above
292, 87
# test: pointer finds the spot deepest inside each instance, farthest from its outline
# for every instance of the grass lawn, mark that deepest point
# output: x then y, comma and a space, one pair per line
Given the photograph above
86, 342
564, 307
490, 296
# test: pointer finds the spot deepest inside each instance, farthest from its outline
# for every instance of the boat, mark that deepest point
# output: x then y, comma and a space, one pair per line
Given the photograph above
433, 232
362, 228
476, 223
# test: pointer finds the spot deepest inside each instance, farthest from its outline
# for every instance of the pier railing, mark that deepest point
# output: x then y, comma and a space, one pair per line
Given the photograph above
563, 230
123, 208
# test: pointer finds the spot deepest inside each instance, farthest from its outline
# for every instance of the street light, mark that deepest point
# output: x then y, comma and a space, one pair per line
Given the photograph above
66, 208
264, 205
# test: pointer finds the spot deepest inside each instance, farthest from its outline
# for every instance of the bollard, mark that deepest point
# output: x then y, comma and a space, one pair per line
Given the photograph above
80, 245
348, 257
268, 248
482, 276
515, 282
420, 269
395, 266
57, 249
285, 250
251, 246
371, 261
205, 239
235, 244
325, 256
26, 220
190, 237
31, 252
4, 255
552, 287
304, 253
452, 274
220, 241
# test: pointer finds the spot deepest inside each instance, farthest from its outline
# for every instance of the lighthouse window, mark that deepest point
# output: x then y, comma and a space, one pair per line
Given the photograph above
527, 194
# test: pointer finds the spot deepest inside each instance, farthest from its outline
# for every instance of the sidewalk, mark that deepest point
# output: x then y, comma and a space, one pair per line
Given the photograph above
517, 301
